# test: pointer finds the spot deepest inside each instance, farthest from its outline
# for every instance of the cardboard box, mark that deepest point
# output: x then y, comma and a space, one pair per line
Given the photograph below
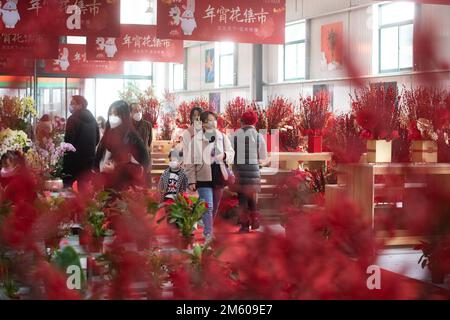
424, 151
379, 151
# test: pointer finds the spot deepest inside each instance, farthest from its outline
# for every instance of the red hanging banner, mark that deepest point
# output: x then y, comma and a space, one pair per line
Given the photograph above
250, 21
73, 62
16, 67
136, 43
30, 46
60, 17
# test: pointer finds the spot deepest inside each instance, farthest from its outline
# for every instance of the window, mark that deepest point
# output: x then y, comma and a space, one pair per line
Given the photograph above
138, 12
295, 51
177, 76
396, 24
227, 63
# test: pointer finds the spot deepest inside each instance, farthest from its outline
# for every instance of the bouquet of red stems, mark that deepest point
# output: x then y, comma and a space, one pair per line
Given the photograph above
291, 139
202, 103
183, 112
278, 111
262, 117
167, 127
424, 112
221, 123
376, 111
314, 113
150, 107
343, 139
234, 111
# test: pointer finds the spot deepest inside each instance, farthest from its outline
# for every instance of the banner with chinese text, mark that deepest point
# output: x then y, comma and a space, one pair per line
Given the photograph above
250, 21
30, 46
136, 43
72, 61
61, 17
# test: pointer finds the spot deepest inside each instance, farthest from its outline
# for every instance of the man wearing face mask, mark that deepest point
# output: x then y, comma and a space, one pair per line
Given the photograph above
83, 133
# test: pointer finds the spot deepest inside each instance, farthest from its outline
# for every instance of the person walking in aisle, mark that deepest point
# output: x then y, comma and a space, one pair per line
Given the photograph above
83, 133
206, 169
250, 151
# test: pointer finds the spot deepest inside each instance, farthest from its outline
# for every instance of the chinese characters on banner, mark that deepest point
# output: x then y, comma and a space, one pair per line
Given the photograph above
61, 17
72, 61
30, 46
136, 42
16, 67
250, 21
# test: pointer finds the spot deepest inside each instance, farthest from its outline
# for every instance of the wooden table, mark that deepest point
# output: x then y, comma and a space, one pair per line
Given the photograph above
357, 181
290, 160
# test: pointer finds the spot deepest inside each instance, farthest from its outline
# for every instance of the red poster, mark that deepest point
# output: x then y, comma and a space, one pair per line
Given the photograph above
60, 17
136, 42
250, 21
16, 67
72, 61
30, 46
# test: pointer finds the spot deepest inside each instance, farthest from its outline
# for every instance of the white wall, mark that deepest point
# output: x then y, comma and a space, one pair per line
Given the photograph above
356, 16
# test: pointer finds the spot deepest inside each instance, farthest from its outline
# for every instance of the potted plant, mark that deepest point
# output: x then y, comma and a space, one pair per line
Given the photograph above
436, 256
233, 113
185, 212
314, 114
375, 109
278, 112
424, 113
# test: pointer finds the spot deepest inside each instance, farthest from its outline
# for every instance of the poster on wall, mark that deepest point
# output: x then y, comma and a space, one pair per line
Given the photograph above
16, 67
214, 100
30, 46
60, 17
72, 61
250, 21
328, 89
209, 66
136, 43
331, 46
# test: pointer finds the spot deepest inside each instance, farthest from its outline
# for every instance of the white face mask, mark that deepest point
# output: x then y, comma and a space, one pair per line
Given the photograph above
212, 124
174, 164
137, 116
197, 125
114, 121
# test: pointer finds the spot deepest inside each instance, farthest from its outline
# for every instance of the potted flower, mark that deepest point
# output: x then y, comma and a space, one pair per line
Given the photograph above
314, 114
185, 212
375, 110
342, 138
278, 112
424, 113
97, 229
13, 140
47, 159
436, 256
234, 111
16, 113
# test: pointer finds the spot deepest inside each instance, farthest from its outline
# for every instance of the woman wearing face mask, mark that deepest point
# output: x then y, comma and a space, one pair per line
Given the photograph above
195, 127
44, 130
206, 166
121, 154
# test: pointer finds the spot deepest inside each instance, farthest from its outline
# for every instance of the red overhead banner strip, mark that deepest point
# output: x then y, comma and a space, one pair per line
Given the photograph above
60, 17
136, 43
73, 62
30, 46
250, 21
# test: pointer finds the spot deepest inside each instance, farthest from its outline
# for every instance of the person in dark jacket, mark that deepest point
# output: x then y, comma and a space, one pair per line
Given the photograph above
82, 132
250, 151
121, 154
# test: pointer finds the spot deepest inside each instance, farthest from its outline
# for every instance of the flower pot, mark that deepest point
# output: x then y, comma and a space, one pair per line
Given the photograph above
53, 185
425, 151
314, 143
379, 151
